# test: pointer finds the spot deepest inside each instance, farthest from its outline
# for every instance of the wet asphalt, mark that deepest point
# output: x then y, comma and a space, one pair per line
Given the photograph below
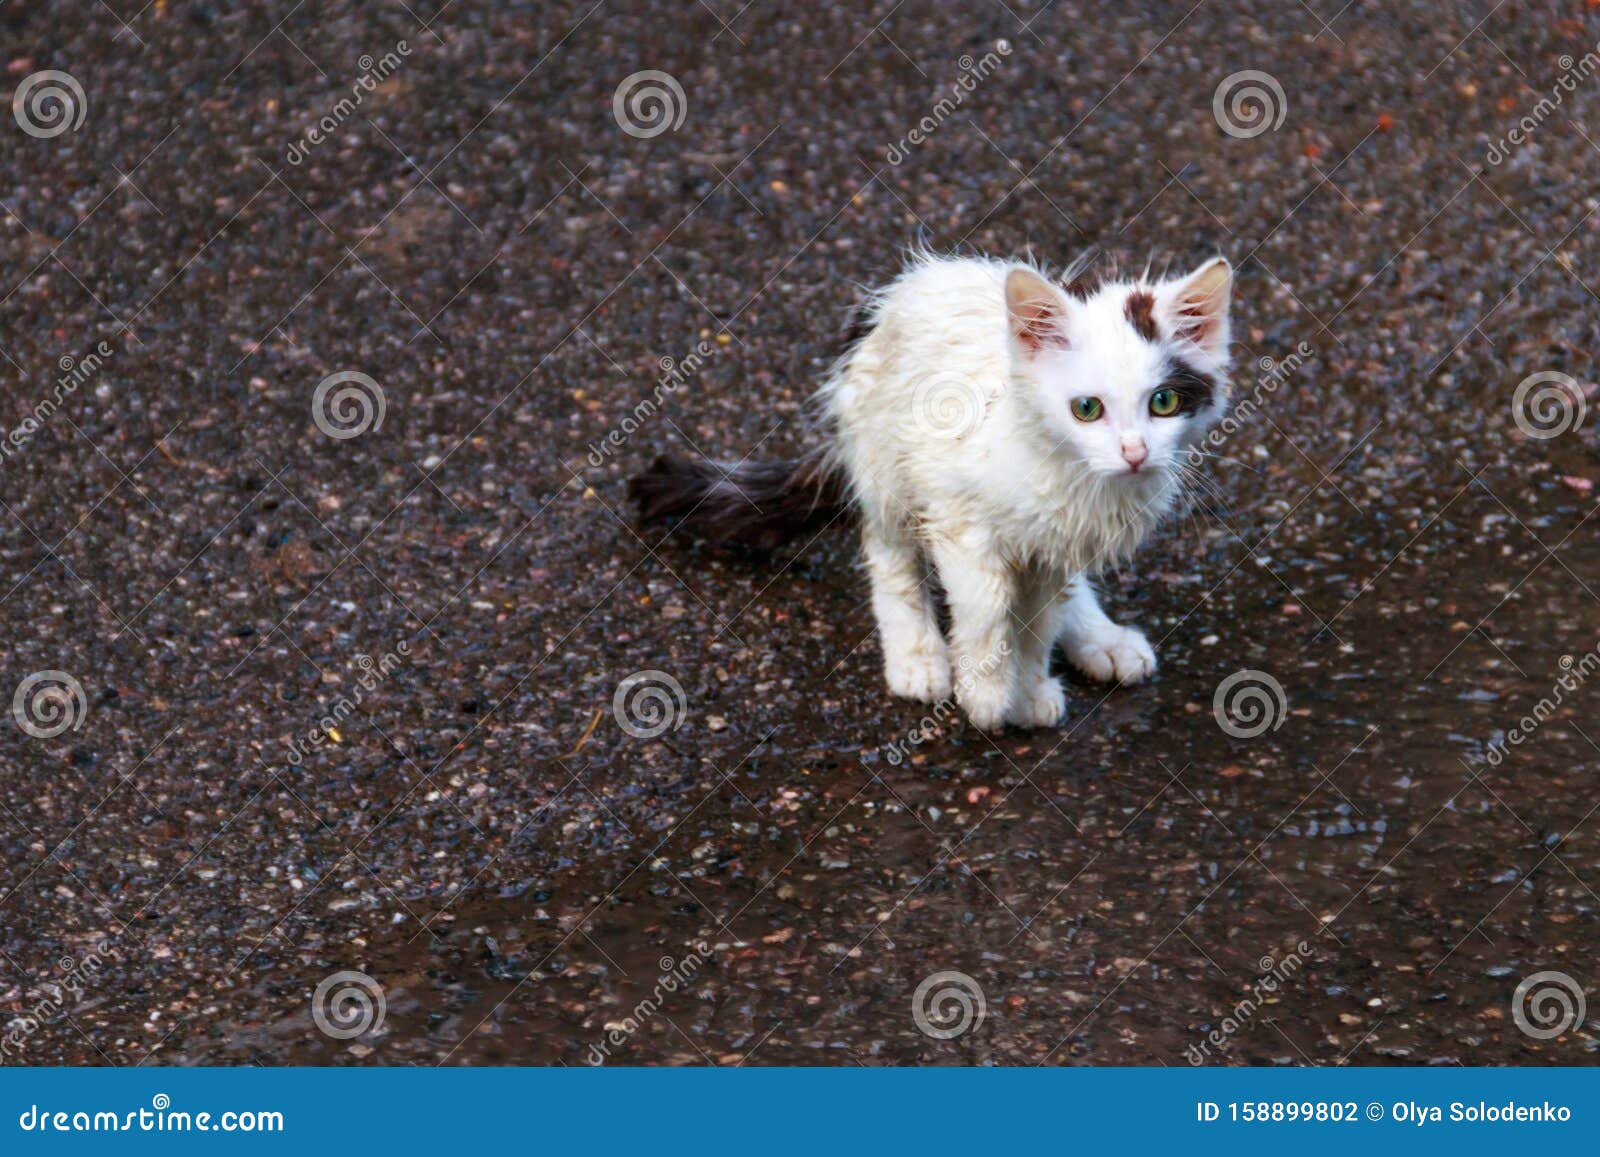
207, 575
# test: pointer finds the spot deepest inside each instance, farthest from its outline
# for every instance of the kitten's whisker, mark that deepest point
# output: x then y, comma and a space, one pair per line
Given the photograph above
1235, 462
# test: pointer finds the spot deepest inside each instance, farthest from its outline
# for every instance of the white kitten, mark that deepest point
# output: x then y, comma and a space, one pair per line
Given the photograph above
1017, 434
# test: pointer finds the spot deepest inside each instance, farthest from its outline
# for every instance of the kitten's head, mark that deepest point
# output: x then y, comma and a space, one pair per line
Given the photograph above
1123, 378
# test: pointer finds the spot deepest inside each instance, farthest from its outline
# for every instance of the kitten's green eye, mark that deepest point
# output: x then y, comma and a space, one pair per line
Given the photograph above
1164, 403
1086, 409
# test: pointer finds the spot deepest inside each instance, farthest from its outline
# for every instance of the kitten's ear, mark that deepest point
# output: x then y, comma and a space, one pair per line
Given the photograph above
1036, 312
1195, 309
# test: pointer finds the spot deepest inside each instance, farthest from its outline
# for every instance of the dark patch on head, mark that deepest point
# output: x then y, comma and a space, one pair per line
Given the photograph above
1080, 287
1141, 314
1195, 390
857, 323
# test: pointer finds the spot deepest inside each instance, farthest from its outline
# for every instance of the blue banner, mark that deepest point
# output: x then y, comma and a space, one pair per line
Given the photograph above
780, 1111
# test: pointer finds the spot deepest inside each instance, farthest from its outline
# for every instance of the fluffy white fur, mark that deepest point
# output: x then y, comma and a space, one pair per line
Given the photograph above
954, 425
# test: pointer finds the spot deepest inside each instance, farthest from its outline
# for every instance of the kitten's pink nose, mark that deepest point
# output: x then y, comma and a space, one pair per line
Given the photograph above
1134, 453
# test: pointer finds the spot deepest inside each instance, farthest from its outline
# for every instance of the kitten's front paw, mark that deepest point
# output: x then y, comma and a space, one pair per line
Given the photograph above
1114, 655
986, 704
1041, 705
920, 673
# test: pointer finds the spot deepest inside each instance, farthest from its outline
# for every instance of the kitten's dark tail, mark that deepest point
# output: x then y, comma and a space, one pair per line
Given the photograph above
758, 505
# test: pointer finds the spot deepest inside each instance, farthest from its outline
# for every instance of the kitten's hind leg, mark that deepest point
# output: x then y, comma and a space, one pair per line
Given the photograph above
982, 589
1098, 647
1041, 612
915, 660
